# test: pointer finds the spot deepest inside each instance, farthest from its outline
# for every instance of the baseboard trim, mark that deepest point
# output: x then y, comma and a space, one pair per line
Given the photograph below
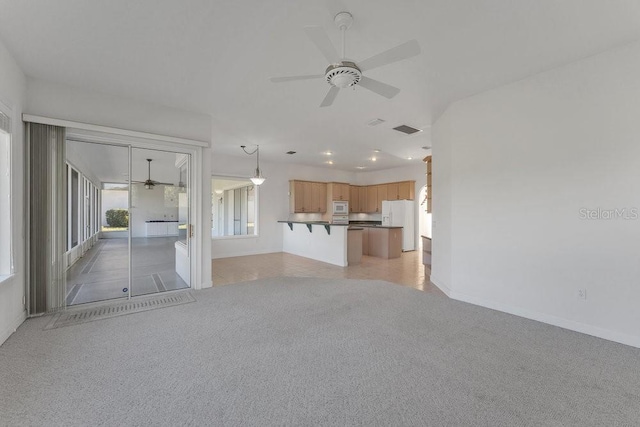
549, 319
4, 335
243, 253
440, 286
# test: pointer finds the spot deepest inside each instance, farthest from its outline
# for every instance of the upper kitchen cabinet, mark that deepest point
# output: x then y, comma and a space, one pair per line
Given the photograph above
392, 191
372, 199
307, 197
354, 199
338, 191
382, 195
319, 197
406, 190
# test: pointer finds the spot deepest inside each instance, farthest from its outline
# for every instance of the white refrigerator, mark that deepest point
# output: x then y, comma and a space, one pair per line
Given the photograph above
401, 213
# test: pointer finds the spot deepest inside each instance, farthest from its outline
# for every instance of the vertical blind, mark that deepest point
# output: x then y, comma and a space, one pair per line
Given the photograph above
47, 218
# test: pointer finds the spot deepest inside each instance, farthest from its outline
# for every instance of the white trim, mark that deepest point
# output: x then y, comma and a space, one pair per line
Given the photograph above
245, 253
11, 328
549, 319
440, 286
235, 236
117, 131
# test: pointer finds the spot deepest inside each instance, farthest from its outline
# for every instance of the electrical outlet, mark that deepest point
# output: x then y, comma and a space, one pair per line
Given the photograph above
582, 294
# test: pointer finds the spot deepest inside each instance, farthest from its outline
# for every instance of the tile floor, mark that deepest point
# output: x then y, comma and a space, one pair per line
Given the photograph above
102, 273
407, 270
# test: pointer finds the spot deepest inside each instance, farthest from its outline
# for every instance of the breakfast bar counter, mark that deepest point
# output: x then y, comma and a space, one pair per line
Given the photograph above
317, 240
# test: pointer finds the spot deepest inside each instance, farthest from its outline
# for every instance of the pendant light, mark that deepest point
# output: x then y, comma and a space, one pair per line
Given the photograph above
257, 179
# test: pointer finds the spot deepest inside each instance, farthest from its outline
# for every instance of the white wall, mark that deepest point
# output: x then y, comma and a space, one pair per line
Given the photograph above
150, 205
13, 94
69, 103
513, 168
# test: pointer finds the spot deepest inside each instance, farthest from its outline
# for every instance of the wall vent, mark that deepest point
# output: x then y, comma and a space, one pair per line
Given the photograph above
291, 152
406, 129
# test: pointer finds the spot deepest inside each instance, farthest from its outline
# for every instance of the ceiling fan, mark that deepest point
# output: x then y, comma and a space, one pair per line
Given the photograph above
150, 183
342, 73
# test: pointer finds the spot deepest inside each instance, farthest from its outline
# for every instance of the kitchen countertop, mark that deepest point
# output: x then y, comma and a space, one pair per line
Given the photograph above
314, 223
379, 226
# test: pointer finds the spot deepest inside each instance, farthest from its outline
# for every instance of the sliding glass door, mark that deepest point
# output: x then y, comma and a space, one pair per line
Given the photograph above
97, 255
159, 221
128, 221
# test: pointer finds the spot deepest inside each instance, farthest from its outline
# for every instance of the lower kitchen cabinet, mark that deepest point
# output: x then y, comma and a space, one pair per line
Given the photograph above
382, 242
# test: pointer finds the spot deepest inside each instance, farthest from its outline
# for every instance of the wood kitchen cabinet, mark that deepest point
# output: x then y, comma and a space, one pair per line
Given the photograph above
362, 199
382, 242
428, 161
319, 197
392, 191
401, 190
307, 197
382, 195
406, 190
372, 198
354, 199
338, 191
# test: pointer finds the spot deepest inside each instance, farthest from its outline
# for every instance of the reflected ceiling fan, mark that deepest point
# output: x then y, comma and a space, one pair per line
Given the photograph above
342, 73
150, 183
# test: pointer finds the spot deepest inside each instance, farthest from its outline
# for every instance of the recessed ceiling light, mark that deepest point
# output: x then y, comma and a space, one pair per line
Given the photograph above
373, 159
409, 158
328, 153
329, 162
377, 150
361, 167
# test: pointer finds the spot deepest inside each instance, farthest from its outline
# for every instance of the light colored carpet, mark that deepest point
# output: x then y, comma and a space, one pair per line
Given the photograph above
293, 351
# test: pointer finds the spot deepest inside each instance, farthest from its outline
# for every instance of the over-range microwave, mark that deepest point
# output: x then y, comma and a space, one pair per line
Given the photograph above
340, 208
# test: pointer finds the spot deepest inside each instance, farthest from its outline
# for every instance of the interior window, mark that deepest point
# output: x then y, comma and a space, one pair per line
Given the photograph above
234, 207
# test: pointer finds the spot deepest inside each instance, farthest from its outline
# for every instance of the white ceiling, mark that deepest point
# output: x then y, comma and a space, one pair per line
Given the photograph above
110, 163
216, 57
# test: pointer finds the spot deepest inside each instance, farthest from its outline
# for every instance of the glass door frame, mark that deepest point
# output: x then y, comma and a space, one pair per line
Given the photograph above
194, 161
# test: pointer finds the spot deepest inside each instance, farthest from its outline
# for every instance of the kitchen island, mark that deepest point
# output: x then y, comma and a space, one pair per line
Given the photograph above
382, 241
317, 240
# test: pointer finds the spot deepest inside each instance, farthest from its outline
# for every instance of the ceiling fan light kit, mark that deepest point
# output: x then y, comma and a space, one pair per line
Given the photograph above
150, 183
342, 73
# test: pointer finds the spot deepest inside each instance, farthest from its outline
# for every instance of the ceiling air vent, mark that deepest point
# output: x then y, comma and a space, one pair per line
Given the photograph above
291, 152
375, 122
406, 129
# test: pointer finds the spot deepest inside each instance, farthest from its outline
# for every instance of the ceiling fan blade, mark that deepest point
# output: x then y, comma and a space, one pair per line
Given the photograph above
378, 87
398, 53
331, 95
320, 38
294, 78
